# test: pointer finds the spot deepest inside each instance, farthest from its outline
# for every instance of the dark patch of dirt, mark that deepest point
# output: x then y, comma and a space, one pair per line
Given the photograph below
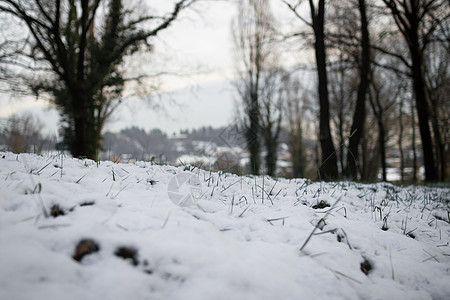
128, 253
85, 247
56, 211
366, 266
321, 204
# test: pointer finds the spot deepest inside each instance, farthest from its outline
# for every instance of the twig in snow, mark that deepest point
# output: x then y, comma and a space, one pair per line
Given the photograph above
243, 212
39, 172
431, 256
37, 192
166, 220
392, 265
120, 191
318, 224
78, 181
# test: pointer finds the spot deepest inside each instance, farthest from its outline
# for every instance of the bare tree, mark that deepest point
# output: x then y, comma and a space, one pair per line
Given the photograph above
400, 141
342, 87
295, 106
359, 115
413, 141
253, 40
272, 102
23, 133
74, 55
417, 21
349, 40
437, 78
383, 95
328, 168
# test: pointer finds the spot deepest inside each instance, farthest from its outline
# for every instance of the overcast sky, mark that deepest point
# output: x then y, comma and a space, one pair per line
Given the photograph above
199, 42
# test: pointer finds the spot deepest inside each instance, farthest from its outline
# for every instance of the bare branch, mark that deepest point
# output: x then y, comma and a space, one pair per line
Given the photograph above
293, 8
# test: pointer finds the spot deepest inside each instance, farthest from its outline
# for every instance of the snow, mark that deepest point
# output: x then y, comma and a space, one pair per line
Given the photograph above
195, 159
238, 238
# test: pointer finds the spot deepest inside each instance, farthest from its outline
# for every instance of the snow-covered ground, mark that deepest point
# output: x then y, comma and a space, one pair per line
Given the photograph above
142, 231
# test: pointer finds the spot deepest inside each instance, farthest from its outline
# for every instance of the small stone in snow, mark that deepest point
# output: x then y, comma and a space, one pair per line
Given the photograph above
85, 247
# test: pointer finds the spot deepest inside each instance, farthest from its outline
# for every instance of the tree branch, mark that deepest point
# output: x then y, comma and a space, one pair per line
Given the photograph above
294, 10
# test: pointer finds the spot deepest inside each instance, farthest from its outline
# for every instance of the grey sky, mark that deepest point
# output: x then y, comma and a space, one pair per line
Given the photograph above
199, 42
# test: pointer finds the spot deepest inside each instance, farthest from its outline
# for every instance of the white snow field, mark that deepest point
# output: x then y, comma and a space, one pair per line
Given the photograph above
143, 231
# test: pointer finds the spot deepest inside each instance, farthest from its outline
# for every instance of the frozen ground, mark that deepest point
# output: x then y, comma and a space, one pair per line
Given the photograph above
142, 231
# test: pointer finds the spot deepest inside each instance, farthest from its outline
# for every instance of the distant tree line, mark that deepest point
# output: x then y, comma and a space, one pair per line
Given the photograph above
23, 133
131, 144
382, 79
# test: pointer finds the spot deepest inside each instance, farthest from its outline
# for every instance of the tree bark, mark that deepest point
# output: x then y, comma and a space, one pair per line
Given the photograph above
422, 111
295, 135
271, 131
271, 156
440, 147
413, 142
252, 135
357, 129
80, 144
400, 142
296, 151
378, 112
328, 169
382, 149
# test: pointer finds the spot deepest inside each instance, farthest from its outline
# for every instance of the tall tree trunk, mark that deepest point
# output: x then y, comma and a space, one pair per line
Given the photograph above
341, 117
341, 137
271, 156
410, 19
400, 142
436, 84
317, 152
357, 129
271, 135
295, 135
328, 169
440, 150
79, 146
382, 149
374, 160
296, 151
413, 142
252, 136
364, 158
441, 159
422, 111
378, 112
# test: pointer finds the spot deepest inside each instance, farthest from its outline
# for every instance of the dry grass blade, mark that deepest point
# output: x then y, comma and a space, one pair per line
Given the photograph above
318, 224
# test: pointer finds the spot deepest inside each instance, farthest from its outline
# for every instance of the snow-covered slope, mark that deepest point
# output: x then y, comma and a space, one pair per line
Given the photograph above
142, 231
